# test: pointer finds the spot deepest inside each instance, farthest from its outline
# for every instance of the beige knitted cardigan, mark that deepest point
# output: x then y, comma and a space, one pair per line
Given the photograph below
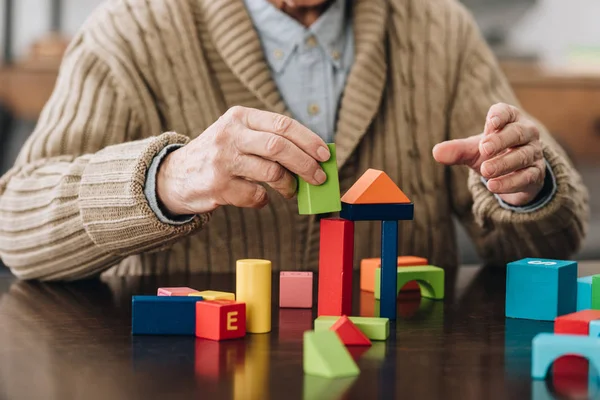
74, 205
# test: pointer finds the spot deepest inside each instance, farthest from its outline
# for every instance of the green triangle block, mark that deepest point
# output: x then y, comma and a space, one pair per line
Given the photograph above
319, 388
325, 355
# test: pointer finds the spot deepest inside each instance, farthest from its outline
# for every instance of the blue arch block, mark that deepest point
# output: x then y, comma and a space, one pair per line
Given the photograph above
547, 347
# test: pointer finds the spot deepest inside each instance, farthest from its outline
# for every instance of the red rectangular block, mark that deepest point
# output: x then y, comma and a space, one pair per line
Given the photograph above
220, 319
295, 289
335, 267
577, 323
175, 291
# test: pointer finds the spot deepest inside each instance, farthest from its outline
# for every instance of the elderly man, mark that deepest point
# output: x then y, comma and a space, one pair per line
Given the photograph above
176, 129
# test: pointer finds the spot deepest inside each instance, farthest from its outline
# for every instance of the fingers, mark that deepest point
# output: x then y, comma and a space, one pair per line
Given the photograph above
512, 135
260, 170
529, 179
288, 128
511, 161
499, 116
458, 151
279, 149
242, 193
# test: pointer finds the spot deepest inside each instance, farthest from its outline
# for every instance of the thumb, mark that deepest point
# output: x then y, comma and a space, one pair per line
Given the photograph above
459, 152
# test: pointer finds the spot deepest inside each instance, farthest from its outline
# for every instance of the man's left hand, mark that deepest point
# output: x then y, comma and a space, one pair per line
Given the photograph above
508, 154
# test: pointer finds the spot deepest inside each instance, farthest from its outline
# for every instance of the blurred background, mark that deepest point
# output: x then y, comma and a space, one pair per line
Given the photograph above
550, 50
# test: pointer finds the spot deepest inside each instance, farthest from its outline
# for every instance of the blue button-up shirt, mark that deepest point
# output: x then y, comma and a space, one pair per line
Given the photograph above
309, 65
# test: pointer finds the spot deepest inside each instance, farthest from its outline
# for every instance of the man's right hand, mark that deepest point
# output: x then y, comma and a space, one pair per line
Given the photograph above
226, 163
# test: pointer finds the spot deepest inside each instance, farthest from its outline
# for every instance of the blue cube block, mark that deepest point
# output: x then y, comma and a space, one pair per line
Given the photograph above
163, 315
541, 289
584, 293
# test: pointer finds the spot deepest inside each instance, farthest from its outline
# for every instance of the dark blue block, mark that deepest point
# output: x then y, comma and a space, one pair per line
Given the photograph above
377, 212
163, 315
389, 269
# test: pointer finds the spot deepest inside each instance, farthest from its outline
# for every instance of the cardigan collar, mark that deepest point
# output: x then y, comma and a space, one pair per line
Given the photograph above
235, 39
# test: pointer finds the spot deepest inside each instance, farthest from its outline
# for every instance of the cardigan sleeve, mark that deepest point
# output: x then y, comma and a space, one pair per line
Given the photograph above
74, 204
500, 234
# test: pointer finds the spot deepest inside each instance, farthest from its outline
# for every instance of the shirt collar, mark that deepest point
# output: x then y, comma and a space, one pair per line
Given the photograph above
281, 35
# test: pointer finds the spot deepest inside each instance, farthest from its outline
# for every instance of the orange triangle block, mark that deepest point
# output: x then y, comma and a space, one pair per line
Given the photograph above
375, 187
348, 333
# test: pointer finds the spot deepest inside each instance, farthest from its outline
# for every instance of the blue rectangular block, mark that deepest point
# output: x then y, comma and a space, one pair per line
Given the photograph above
584, 293
389, 269
541, 289
163, 315
377, 212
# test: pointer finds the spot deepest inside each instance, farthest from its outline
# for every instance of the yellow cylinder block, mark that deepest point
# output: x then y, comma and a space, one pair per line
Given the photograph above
253, 287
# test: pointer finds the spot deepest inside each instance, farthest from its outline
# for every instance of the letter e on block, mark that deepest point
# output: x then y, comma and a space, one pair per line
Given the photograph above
220, 319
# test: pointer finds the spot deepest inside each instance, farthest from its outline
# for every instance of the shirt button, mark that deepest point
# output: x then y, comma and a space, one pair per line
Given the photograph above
311, 41
313, 109
336, 55
278, 54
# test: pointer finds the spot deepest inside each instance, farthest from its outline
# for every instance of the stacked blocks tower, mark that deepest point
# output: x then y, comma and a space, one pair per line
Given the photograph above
577, 323
584, 293
541, 289
253, 287
324, 198
325, 355
336, 254
375, 197
163, 315
214, 295
429, 278
547, 347
369, 265
295, 289
220, 319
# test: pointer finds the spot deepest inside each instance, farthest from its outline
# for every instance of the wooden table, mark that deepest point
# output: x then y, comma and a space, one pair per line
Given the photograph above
73, 341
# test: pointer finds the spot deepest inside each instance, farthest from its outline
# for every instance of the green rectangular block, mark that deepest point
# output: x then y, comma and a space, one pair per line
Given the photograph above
596, 292
373, 328
325, 198
325, 355
429, 278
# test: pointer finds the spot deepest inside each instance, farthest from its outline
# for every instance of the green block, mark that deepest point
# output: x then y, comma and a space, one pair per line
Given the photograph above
325, 355
373, 328
429, 278
325, 198
318, 388
596, 292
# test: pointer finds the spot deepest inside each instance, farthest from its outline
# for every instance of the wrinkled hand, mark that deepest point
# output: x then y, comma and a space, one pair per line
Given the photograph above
226, 163
508, 153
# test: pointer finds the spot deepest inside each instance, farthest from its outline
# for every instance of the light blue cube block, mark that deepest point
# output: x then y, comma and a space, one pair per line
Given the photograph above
595, 328
547, 347
540, 289
584, 293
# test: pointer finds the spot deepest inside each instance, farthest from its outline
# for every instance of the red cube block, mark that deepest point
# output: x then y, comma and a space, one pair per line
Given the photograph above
295, 289
220, 319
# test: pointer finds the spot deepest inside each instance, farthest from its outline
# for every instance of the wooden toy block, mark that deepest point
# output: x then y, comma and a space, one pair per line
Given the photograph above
253, 287
177, 291
295, 289
335, 267
540, 289
220, 319
584, 293
594, 328
319, 388
214, 295
389, 270
577, 323
429, 278
377, 212
163, 315
375, 187
369, 265
324, 198
373, 328
547, 347
349, 334
325, 355
596, 292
